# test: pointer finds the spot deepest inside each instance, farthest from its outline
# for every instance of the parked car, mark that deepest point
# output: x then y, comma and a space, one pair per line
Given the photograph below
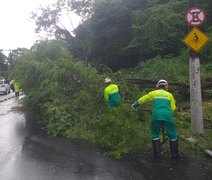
4, 86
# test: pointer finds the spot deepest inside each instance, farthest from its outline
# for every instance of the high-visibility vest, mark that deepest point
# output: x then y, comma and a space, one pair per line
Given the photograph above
112, 95
163, 104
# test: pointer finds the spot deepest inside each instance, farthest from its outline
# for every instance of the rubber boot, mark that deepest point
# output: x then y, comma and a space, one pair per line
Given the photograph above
156, 148
174, 149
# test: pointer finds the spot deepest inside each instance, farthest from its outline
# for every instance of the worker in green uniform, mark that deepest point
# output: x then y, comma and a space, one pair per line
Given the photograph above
16, 88
163, 106
112, 94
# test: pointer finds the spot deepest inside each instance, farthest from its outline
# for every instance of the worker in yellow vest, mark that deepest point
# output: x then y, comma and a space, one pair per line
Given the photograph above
16, 88
112, 94
163, 106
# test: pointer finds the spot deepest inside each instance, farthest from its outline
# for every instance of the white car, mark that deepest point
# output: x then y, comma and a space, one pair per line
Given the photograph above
4, 86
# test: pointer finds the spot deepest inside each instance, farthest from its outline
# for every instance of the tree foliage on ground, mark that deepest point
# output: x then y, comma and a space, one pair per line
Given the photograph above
58, 89
66, 97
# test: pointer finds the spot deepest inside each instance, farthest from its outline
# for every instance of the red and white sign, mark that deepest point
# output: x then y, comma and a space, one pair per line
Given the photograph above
195, 16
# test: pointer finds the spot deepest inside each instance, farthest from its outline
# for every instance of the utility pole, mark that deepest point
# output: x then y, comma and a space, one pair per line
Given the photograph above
195, 87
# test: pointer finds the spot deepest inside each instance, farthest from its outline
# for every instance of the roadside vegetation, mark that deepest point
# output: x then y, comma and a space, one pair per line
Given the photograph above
133, 42
65, 97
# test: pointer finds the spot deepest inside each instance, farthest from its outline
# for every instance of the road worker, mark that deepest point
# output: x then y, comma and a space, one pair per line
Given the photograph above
16, 88
162, 115
112, 94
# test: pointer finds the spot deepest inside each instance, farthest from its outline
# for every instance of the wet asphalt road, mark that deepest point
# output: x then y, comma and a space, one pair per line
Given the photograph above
27, 153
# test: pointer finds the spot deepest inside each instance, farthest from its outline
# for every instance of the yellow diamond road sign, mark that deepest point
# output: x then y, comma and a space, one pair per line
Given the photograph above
195, 39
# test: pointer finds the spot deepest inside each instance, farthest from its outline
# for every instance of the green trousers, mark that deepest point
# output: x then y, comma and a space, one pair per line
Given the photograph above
169, 126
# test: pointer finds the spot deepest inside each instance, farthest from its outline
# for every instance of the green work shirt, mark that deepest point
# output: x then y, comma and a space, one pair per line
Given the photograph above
163, 104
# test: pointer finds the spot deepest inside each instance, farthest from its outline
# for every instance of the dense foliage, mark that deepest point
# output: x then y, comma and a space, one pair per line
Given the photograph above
122, 39
65, 97
122, 33
58, 89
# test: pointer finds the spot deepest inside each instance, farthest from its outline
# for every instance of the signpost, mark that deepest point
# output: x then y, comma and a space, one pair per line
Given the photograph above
195, 39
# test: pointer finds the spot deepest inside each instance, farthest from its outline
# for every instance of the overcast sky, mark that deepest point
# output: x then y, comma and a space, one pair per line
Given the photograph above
17, 29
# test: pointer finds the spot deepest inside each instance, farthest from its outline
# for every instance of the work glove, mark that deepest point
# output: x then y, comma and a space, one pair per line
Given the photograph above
135, 104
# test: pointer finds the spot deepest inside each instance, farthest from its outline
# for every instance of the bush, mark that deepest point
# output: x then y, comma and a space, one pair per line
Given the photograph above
169, 68
120, 130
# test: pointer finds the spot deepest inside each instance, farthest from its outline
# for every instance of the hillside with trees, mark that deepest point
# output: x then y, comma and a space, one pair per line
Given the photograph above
126, 40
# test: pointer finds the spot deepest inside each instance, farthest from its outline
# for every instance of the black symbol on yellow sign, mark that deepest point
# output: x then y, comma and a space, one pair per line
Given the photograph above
195, 39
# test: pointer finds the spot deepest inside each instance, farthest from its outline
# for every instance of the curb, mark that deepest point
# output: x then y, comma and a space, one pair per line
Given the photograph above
9, 98
207, 152
6, 99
